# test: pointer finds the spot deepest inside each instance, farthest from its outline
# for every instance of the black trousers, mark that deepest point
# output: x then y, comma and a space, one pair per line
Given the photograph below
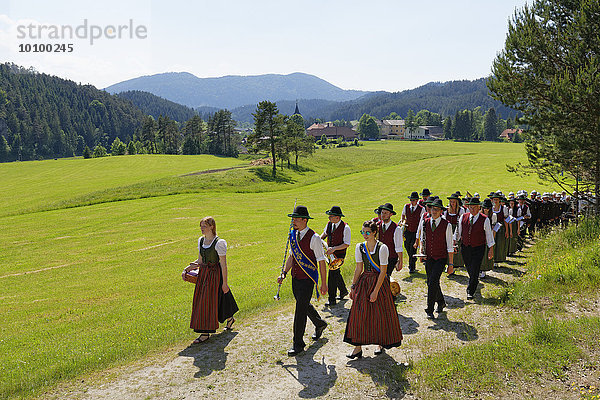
391, 265
303, 291
473, 256
434, 269
335, 281
409, 241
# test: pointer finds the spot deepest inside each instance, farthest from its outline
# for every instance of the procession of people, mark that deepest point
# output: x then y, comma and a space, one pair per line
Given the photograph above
472, 232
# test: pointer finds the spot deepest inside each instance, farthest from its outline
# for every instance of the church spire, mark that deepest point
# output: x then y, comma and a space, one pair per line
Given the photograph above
297, 111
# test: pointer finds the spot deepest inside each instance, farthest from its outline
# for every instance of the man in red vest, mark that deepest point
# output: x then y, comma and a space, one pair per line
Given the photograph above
338, 236
303, 284
439, 250
390, 234
475, 231
411, 215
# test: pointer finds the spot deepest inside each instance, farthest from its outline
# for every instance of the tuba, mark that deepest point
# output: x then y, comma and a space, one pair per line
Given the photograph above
333, 262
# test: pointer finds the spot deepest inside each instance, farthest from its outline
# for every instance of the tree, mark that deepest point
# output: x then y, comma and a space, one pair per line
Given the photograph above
118, 148
130, 148
448, 128
548, 70
4, 149
393, 116
222, 138
367, 127
410, 121
490, 125
299, 143
99, 151
268, 127
148, 134
87, 153
168, 134
194, 136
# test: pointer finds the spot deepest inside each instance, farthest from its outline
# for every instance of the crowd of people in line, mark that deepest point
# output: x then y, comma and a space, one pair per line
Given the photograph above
469, 232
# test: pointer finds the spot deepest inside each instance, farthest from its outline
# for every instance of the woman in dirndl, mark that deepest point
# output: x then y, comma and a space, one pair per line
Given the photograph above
452, 215
373, 318
502, 234
213, 302
513, 209
487, 264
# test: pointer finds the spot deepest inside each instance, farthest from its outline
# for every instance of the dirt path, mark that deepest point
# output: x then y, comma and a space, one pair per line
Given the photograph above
251, 362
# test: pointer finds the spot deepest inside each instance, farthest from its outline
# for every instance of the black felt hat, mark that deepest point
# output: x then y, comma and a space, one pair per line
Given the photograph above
425, 192
300, 212
474, 201
335, 210
414, 196
438, 203
487, 203
454, 196
388, 207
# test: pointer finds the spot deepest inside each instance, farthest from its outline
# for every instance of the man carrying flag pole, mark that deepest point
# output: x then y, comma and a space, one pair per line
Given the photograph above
307, 262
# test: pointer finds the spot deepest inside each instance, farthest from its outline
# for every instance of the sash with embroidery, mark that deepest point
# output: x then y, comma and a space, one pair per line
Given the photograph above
369, 258
307, 265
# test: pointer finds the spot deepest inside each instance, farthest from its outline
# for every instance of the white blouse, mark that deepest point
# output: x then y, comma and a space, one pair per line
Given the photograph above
384, 253
220, 247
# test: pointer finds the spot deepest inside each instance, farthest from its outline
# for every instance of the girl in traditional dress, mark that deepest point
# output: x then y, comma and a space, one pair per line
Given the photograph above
213, 301
373, 318
452, 215
502, 235
487, 264
513, 209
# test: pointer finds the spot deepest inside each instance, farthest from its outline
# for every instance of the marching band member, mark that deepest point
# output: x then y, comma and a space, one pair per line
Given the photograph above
486, 263
525, 212
425, 194
475, 232
502, 234
391, 235
373, 318
213, 301
439, 250
307, 262
338, 236
411, 215
513, 226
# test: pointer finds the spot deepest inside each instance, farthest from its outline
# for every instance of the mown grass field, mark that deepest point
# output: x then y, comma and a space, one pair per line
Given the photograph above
95, 280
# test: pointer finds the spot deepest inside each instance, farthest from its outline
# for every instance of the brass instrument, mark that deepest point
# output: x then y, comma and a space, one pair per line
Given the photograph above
333, 262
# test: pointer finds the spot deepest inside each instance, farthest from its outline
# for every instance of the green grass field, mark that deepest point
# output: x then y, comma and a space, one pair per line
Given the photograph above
90, 286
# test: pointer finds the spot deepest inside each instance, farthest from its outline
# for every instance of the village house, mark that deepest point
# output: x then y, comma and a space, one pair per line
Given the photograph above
509, 134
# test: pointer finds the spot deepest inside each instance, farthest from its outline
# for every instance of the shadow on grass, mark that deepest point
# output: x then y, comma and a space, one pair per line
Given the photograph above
409, 325
266, 175
338, 311
464, 332
454, 302
210, 356
301, 169
415, 275
315, 376
384, 371
459, 278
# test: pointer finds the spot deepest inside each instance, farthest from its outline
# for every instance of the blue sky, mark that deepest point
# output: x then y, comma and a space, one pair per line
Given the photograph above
374, 45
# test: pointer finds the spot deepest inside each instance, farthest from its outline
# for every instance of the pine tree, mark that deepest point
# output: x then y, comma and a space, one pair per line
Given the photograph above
490, 125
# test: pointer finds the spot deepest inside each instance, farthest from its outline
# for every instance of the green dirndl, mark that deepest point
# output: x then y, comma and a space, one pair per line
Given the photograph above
486, 263
501, 244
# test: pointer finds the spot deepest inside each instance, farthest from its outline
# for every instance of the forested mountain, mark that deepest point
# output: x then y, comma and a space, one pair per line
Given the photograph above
308, 108
234, 91
44, 116
154, 105
443, 98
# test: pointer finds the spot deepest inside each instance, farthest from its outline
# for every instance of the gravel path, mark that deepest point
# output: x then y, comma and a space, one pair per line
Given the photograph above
250, 362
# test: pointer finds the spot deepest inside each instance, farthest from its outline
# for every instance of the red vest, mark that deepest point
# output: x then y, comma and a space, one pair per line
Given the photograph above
435, 241
387, 238
297, 272
453, 219
336, 238
412, 218
473, 235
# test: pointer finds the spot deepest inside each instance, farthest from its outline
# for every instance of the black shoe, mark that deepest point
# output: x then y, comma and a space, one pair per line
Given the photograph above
379, 351
294, 351
441, 308
469, 297
330, 303
342, 296
319, 331
429, 314
355, 355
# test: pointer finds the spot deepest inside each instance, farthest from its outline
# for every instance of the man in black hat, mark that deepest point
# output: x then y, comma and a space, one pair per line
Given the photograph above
338, 236
425, 195
391, 235
307, 262
439, 250
475, 231
411, 215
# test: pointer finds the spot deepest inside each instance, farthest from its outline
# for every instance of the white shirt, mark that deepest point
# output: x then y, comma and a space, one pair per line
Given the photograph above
397, 236
220, 247
347, 232
384, 253
449, 238
316, 244
487, 227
